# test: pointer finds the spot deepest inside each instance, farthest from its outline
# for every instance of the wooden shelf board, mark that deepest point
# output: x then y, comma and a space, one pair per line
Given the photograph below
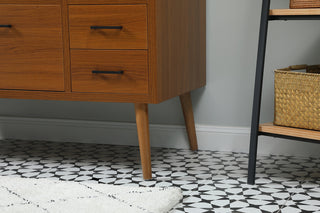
288, 131
293, 12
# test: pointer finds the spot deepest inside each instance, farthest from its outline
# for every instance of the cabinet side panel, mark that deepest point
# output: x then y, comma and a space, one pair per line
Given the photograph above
180, 47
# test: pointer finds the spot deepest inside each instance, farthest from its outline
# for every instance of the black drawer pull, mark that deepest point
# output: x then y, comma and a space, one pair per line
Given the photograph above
107, 72
106, 27
5, 25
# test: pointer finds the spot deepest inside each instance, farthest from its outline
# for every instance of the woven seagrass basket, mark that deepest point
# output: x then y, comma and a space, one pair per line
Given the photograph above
297, 97
304, 4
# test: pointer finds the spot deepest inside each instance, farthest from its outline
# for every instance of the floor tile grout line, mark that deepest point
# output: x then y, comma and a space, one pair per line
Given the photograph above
182, 168
284, 205
300, 184
293, 193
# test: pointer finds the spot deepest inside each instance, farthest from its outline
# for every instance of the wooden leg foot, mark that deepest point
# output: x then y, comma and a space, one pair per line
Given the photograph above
186, 104
144, 141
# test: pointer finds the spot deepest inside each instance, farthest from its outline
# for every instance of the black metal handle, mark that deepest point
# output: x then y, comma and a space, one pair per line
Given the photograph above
5, 25
107, 72
106, 27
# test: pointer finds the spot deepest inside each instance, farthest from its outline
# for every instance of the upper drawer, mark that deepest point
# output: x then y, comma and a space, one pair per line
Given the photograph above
107, 1
108, 26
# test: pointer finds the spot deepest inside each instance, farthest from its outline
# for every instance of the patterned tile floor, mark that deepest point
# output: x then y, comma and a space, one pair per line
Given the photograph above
211, 181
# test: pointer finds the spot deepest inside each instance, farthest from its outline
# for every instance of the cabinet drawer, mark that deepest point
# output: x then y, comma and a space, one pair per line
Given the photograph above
108, 26
109, 71
31, 51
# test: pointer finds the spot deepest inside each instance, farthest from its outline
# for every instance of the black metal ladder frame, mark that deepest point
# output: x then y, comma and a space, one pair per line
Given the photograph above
265, 18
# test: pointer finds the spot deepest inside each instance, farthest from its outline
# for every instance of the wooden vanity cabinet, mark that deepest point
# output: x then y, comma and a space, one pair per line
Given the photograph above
134, 51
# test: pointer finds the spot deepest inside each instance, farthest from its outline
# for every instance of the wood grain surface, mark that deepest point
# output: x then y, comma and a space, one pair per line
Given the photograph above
295, 132
304, 3
66, 46
107, 1
172, 32
292, 12
142, 120
134, 80
31, 51
30, 1
133, 19
76, 96
179, 47
187, 108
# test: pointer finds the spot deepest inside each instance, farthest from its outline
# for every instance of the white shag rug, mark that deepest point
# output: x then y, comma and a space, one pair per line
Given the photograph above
23, 195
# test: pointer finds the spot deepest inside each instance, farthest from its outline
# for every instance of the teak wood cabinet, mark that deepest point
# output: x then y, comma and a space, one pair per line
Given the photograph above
136, 51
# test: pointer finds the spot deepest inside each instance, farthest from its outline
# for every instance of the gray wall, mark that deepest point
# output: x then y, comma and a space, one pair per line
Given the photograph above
232, 31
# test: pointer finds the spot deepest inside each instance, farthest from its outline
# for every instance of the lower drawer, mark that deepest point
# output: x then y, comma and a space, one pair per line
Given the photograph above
108, 71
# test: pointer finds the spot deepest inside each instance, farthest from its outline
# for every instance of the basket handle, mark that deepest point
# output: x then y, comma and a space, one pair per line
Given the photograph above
294, 67
298, 67
309, 69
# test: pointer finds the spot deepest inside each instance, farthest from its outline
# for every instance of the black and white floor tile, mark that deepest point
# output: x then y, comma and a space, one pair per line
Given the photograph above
211, 181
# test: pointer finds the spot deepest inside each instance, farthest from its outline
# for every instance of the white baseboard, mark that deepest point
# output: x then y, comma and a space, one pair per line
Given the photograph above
215, 138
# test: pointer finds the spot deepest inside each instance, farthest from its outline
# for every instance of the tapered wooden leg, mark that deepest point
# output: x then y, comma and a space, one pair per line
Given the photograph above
144, 139
186, 104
